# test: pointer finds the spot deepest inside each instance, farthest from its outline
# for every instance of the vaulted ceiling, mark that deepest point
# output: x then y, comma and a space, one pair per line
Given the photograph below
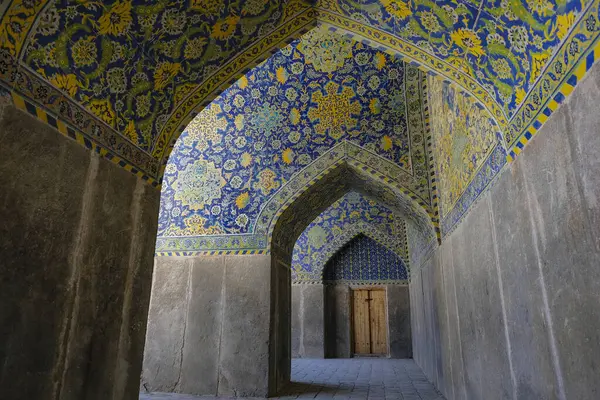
258, 104
127, 76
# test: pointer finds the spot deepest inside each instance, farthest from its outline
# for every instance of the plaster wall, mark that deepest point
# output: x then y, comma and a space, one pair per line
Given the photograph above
209, 326
321, 321
77, 237
507, 307
308, 325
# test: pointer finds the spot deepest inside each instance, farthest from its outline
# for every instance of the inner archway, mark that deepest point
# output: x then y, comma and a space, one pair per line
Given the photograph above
293, 220
383, 261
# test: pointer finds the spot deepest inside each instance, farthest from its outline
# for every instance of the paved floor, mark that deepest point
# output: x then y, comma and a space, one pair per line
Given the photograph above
357, 378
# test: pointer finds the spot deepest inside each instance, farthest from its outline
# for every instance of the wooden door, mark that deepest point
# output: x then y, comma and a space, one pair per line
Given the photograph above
377, 322
369, 321
362, 331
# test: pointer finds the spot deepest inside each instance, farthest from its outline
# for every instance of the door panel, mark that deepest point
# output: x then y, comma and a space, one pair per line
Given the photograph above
378, 322
362, 339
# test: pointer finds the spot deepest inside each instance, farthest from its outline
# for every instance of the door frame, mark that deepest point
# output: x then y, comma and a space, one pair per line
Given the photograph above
382, 288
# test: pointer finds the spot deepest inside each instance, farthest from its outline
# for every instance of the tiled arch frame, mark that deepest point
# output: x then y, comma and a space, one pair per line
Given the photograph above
334, 166
349, 233
345, 167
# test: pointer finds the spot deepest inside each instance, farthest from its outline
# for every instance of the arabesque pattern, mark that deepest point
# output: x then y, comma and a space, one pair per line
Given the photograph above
348, 217
82, 62
316, 92
465, 139
365, 261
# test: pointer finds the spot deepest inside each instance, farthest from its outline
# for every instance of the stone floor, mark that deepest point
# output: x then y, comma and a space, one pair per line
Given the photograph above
357, 378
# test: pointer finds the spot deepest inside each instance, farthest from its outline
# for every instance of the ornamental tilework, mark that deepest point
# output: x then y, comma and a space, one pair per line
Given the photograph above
467, 149
348, 217
318, 91
130, 74
125, 77
132, 63
327, 178
500, 46
363, 260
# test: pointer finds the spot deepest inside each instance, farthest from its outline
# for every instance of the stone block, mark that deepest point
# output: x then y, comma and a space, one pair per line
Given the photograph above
308, 330
244, 350
398, 302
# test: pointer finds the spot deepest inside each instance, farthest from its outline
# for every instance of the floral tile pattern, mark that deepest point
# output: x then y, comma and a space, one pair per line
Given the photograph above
363, 260
143, 69
131, 63
317, 92
348, 217
467, 149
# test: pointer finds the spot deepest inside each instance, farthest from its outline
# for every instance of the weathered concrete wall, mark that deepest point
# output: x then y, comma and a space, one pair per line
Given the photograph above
399, 332
208, 326
338, 334
507, 307
280, 339
308, 328
77, 238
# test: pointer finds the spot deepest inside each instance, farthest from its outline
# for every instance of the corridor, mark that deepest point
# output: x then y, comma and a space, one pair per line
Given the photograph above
356, 378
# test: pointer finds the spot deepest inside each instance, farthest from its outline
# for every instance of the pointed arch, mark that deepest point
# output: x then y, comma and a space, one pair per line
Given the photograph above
336, 172
350, 232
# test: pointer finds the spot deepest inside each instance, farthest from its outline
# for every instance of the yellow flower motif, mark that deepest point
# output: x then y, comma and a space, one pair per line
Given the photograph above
380, 61
103, 110
397, 8
335, 110
519, 96
116, 20
375, 106
195, 221
239, 121
281, 75
224, 28
287, 156
68, 83
355, 215
243, 82
246, 160
164, 74
468, 40
194, 47
538, 62
294, 116
563, 24
195, 227
267, 181
131, 133
242, 200
386, 143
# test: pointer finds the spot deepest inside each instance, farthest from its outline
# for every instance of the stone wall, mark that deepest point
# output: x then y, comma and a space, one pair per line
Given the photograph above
321, 321
507, 307
209, 326
308, 327
77, 237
